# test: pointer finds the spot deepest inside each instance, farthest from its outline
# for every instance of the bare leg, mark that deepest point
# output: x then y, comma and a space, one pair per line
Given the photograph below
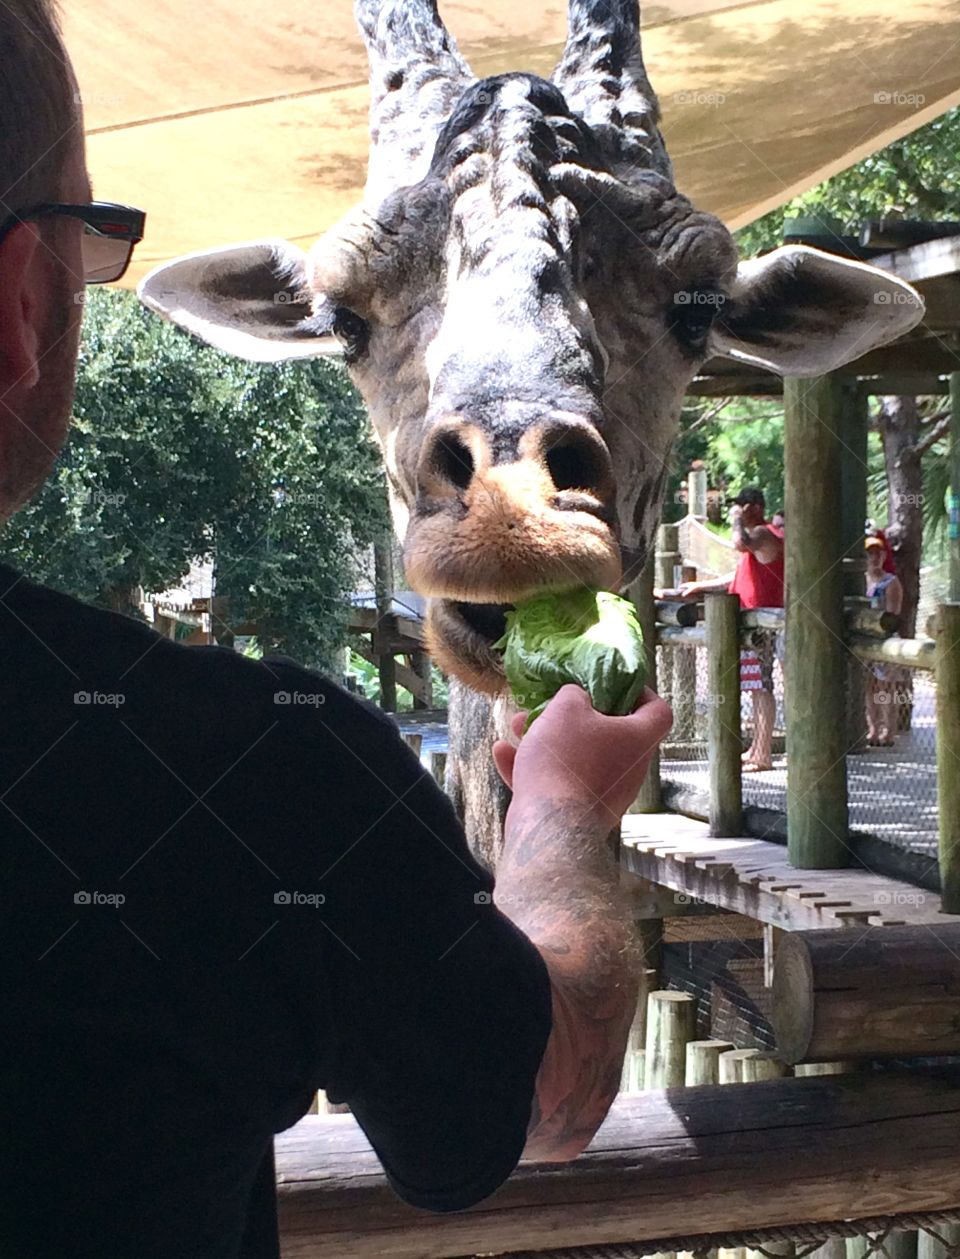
764, 714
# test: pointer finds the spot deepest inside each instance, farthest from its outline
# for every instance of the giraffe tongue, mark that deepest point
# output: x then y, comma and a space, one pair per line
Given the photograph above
487, 619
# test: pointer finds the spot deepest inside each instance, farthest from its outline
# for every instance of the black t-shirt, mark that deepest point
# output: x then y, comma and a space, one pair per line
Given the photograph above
225, 885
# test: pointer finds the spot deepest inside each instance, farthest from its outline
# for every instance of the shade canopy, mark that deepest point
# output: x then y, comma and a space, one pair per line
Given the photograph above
234, 119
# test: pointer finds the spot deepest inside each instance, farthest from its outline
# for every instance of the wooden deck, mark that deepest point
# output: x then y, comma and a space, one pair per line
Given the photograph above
754, 877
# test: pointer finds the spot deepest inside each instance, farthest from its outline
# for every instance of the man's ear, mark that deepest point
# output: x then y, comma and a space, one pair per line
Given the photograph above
801, 312
23, 306
251, 300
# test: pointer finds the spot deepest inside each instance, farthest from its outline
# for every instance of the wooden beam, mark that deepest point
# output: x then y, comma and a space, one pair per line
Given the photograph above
928, 261
873, 992
665, 1162
917, 653
816, 660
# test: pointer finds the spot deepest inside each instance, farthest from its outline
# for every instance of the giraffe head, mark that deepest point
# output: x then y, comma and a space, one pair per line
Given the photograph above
522, 299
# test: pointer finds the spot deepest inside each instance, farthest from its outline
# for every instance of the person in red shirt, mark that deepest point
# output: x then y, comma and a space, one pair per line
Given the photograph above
759, 581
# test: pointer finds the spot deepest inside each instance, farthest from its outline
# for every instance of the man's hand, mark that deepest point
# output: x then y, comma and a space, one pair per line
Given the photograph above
573, 753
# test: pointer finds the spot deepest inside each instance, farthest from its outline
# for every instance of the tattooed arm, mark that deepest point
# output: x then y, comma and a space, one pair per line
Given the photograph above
573, 777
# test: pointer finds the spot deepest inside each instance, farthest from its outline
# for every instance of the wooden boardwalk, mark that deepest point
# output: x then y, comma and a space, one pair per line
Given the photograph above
754, 877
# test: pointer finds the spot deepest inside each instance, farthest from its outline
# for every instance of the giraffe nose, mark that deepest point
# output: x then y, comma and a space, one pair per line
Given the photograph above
567, 458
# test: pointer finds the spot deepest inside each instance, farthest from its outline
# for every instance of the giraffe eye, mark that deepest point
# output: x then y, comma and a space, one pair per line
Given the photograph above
693, 314
352, 332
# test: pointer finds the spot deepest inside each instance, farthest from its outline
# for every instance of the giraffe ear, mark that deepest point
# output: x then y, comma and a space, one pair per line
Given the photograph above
251, 300
801, 312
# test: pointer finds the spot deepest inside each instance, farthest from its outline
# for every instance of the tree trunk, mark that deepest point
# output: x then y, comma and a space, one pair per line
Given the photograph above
899, 425
898, 422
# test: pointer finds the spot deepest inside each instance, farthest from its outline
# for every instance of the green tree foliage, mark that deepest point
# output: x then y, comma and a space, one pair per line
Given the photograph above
177, 451
915, 177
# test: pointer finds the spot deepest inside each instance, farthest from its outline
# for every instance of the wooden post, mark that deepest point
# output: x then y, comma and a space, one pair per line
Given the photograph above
703, 1061
853, 512
816, 671
731, 1065
438, 767
723, 699
420, 663
386, 661
632, 1075
415, 743
697, 493
953, 500
948, 753
759, 1065
756, 1065
668, 557
649, 798
671, 1025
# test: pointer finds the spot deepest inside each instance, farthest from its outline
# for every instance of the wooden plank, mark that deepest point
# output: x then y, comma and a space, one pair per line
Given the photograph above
696, 1161
740, 875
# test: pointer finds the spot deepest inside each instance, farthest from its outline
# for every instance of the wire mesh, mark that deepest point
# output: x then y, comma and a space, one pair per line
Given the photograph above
682, 681
891, 768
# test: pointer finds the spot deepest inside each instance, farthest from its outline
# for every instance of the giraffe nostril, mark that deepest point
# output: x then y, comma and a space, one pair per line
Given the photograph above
571, 468
577, 460
452, 461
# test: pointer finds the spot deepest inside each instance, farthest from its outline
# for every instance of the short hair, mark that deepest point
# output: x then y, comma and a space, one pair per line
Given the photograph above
38, 104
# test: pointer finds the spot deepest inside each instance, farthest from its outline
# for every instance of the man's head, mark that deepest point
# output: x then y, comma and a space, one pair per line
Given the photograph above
41, 275
752, 504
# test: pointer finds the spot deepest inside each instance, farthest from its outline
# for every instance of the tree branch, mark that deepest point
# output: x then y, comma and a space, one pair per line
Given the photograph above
940, 429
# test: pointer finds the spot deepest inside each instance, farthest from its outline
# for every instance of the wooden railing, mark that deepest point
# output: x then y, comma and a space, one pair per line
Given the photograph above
725, 630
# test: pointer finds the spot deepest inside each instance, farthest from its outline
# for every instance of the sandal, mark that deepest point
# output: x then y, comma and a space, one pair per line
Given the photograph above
755, 767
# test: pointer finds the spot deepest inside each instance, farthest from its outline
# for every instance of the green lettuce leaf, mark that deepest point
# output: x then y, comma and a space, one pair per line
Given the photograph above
587, 637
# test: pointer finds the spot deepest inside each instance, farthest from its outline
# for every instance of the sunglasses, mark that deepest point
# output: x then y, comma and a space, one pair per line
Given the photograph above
109, 234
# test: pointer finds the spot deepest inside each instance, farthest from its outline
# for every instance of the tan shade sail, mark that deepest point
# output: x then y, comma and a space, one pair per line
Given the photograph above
232, 119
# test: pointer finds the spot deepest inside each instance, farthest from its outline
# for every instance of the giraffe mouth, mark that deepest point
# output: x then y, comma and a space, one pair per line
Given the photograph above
489, 620
461, 637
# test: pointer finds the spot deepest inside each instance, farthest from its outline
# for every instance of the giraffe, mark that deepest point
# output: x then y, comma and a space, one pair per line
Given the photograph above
522, 298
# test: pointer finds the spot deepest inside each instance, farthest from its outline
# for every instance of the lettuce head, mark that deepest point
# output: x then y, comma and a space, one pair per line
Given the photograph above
588, 637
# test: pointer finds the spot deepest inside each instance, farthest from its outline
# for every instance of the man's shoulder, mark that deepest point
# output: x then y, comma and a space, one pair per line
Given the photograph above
74, 645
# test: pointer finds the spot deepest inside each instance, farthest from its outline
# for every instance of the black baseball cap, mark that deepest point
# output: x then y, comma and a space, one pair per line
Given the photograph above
749, 494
